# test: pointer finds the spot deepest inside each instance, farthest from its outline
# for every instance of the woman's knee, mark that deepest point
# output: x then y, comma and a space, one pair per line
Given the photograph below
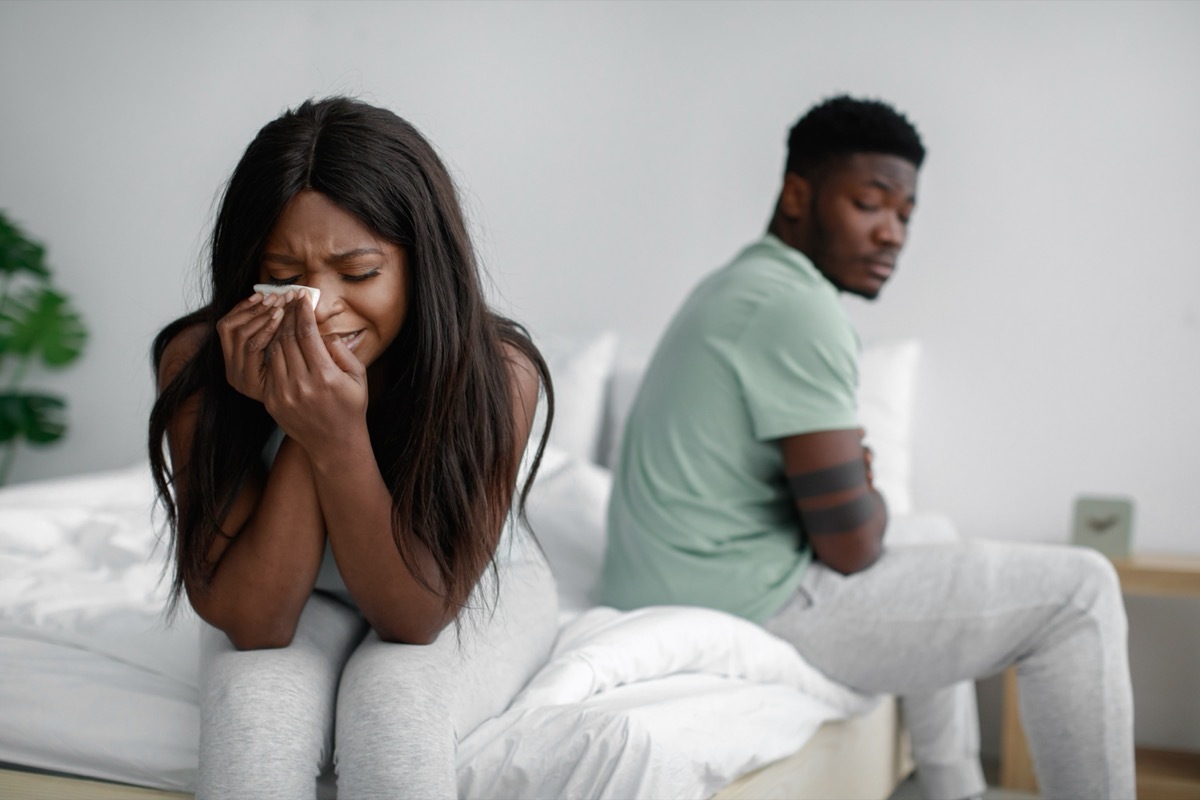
394, 721
388, 685
266, 724
258, 694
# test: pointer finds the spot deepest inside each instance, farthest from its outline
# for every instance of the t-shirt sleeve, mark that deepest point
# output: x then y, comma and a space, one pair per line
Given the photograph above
797, 361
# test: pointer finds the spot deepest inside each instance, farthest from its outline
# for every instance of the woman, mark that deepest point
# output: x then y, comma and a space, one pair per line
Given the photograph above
340, 475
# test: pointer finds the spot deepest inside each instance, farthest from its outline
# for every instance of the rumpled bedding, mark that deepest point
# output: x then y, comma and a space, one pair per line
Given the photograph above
662, 702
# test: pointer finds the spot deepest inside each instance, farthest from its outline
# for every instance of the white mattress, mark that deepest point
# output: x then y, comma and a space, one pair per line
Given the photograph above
664, 702
69, 710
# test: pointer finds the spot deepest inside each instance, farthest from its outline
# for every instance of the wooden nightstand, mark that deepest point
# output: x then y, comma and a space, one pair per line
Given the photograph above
1161, 774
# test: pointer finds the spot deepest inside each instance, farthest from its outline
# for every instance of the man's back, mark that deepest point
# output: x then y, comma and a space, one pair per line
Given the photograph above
700, 512
743, 485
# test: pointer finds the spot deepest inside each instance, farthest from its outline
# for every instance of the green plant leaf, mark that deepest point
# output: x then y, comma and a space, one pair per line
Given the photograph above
39, 320
19, 253
36, 418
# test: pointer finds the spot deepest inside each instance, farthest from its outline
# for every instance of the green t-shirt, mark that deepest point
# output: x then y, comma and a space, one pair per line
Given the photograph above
700, 511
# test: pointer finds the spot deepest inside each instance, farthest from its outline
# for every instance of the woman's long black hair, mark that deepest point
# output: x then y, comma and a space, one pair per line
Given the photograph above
443, 432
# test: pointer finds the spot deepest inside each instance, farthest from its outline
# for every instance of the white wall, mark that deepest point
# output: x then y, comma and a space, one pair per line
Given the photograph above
611, 154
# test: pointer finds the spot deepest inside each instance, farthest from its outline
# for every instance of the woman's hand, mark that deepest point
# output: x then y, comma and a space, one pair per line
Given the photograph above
314, 388
245, 333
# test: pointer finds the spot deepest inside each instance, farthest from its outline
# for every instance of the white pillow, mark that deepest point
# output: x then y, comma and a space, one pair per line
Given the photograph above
566, 511
623, 389
581, 371
887, 382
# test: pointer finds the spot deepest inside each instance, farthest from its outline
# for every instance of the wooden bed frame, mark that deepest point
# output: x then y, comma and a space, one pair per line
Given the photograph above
861, 758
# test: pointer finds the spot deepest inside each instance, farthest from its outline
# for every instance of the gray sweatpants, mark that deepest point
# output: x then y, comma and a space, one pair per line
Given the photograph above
926, 620
388, 715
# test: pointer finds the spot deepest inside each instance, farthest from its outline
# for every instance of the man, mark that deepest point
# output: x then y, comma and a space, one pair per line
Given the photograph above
743, 485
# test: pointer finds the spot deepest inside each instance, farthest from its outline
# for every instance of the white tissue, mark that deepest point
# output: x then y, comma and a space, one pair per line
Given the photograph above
273, 288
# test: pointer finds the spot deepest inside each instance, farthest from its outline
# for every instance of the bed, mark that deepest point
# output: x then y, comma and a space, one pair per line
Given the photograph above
99, 694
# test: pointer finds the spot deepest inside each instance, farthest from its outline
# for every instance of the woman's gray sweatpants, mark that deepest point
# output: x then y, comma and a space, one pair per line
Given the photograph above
389, 715
926, 620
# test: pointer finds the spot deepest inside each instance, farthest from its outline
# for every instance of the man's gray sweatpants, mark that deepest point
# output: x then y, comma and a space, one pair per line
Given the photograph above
389, 715
926, 620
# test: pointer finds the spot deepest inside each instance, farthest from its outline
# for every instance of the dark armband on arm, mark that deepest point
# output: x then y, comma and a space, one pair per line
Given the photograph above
840, 518
843, 516
830, 480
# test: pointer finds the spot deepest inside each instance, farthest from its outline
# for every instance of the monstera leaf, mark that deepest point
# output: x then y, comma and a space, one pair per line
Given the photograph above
19, 254
37, 418
36, 322
39, 320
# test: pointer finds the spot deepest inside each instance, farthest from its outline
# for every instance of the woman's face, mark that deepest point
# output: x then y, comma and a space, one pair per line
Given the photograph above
363, 278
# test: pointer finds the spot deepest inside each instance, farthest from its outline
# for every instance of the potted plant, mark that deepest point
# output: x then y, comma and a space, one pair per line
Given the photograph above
37, 323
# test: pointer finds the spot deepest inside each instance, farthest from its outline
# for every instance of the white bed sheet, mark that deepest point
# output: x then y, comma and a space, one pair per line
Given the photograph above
666, 702
81, 565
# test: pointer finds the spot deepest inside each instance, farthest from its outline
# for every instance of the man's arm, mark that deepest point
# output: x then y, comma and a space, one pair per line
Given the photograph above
830, 479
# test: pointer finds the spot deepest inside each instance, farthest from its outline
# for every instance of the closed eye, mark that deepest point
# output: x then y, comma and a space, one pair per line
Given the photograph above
366, 276
283, 281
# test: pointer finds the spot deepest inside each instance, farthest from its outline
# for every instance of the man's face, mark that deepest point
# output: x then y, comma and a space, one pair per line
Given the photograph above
858, 220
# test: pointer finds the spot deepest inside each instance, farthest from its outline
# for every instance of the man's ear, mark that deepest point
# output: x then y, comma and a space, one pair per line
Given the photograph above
795, 197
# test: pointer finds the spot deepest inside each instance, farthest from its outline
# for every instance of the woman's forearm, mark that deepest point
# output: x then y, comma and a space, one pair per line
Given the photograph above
265, 574
357, 508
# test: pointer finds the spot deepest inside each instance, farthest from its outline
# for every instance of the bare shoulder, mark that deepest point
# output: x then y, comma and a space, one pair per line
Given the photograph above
523, 375
179, 351
520, 365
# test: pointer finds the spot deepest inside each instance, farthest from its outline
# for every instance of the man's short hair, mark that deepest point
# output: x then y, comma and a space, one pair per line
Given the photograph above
842, 126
